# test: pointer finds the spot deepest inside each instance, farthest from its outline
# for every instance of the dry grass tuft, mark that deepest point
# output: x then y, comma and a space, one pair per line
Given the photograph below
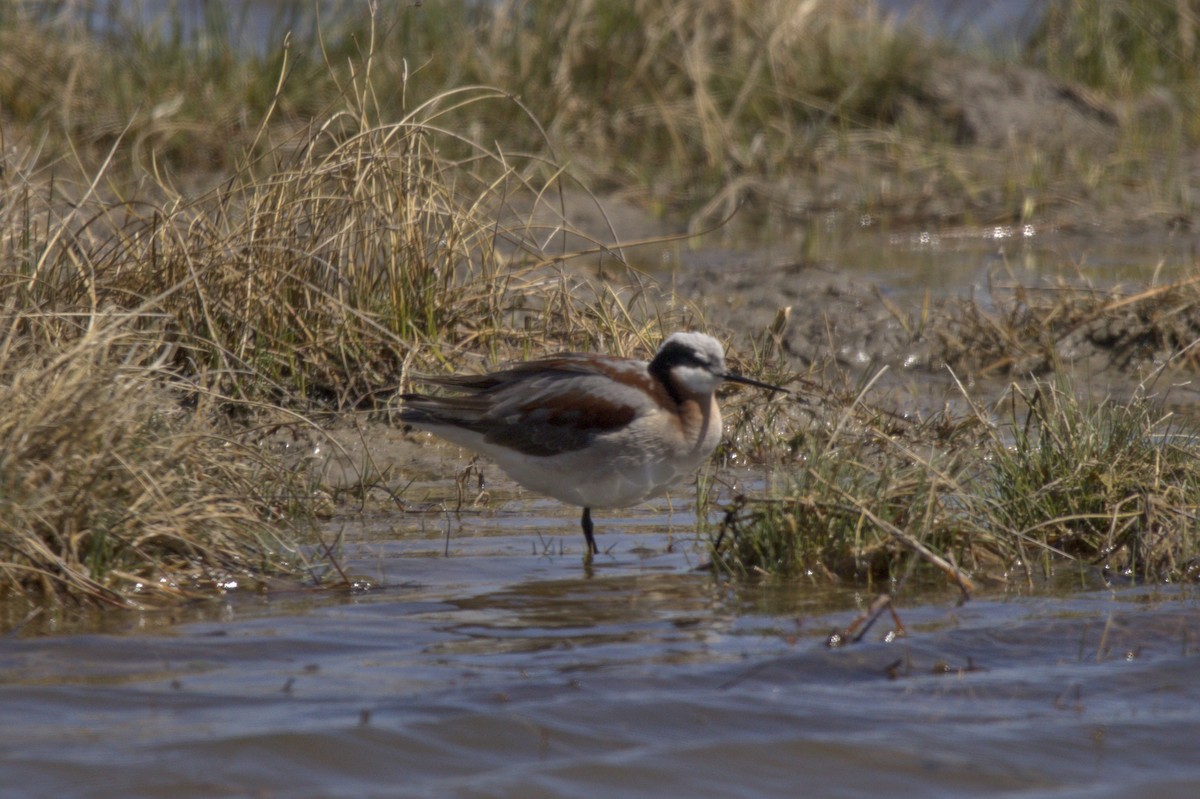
363, 251
112, 491
1115, 485
1030, 330
1012, 494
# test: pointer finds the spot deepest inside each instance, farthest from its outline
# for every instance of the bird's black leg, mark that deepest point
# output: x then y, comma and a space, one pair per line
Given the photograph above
586, 521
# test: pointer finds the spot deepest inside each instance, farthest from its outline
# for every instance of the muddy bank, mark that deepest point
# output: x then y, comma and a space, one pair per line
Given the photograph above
1016, 280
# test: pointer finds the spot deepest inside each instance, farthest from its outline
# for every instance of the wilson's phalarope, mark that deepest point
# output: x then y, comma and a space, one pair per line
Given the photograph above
587, 429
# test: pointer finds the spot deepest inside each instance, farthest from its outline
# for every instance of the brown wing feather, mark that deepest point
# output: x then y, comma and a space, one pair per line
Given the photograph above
544, 407
557, 421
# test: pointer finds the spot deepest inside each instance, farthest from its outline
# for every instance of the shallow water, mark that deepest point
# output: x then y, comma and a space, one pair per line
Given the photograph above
909, 264
508, 669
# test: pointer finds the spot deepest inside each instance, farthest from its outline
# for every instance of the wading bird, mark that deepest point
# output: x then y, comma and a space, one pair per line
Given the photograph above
591, 430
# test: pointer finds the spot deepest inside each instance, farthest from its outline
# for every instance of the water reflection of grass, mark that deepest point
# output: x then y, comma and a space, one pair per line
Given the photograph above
198, 244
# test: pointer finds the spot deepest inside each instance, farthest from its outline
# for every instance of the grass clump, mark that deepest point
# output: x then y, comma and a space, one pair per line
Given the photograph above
1111, 486
315, 280
1029, 329
865, 488
111, 491
715, 91
840, 516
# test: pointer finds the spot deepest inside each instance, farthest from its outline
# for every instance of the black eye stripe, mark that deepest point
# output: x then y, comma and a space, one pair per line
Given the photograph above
682, 355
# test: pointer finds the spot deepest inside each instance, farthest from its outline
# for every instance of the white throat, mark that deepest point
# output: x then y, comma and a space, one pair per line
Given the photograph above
694, 381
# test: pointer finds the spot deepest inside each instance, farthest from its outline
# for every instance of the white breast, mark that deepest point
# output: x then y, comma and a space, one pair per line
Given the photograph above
618, 469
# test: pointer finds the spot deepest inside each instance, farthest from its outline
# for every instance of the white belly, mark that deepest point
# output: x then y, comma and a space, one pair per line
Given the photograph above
616, 470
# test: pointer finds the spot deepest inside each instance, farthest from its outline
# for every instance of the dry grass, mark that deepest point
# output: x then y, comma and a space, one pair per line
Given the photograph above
110, 490
1115, 485
1002, 495
863, 486
1123, 48
362, 251
711, 98
318, 272
1032, 330
710, 104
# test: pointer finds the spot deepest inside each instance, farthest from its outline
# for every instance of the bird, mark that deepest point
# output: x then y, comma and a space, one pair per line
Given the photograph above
588, 429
